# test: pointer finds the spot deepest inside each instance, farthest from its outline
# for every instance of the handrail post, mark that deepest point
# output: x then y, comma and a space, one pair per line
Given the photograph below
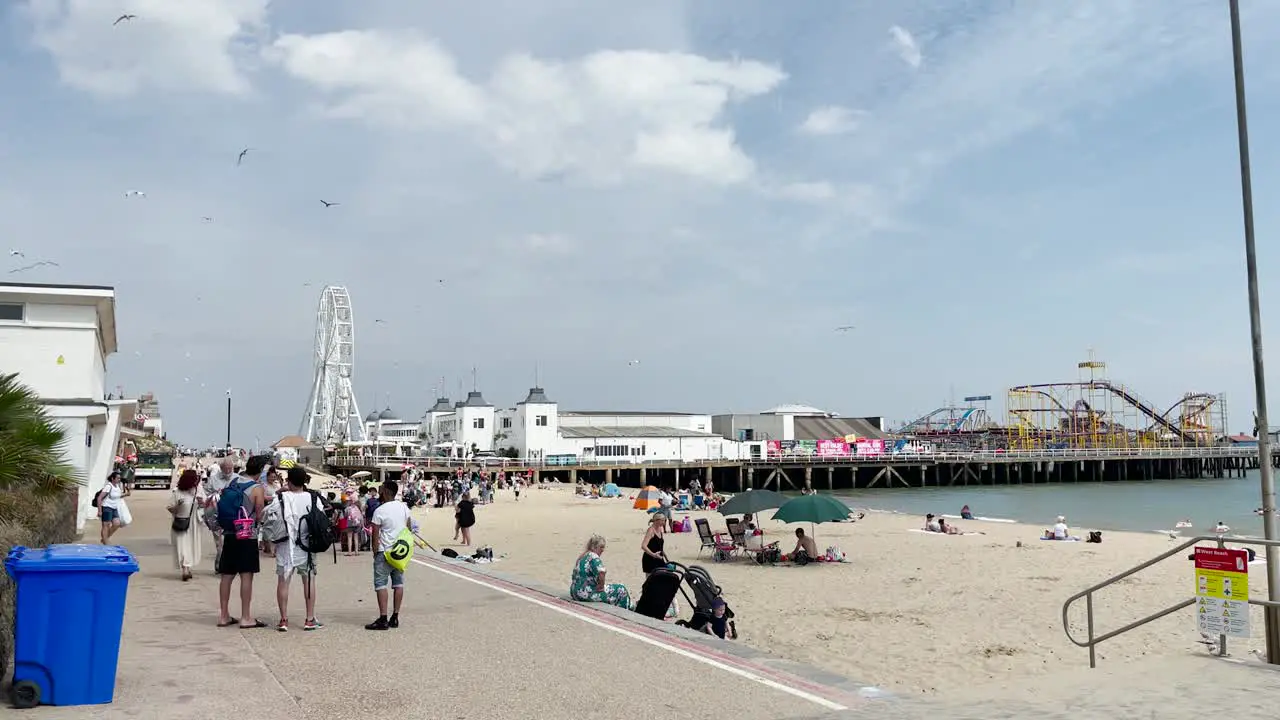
1222, 639
1088, 609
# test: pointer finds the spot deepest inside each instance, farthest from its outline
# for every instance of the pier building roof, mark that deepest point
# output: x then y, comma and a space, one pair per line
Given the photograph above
475, 399
442, 405
388, 414
821, 428
630, 413
794, 409
536, 397
631, 431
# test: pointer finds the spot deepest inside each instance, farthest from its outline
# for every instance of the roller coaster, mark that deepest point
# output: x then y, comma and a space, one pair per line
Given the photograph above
1093, 412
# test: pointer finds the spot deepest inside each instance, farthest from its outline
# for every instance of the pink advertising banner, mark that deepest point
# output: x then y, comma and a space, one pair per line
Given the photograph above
833, 448
869, 448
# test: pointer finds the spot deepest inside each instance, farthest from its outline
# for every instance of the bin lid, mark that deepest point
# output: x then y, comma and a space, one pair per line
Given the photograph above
71, 558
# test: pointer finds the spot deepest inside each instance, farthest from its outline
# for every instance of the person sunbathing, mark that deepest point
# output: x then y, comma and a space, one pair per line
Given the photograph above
805, 545
946, 529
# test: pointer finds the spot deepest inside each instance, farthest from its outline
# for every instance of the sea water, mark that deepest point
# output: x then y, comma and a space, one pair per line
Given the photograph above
1133, 505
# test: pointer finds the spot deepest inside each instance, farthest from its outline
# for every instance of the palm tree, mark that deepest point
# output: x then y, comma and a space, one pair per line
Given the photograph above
32, 465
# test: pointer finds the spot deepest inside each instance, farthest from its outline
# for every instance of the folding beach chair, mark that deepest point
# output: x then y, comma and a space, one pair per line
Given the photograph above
705, 536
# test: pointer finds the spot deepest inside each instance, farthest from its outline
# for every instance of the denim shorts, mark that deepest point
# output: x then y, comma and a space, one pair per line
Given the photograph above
384, 574
108, 514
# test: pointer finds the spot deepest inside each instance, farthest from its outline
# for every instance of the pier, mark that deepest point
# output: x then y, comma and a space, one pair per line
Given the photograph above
905, 470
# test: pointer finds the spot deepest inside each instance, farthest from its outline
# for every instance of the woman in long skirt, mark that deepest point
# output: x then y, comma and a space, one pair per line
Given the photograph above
184, 506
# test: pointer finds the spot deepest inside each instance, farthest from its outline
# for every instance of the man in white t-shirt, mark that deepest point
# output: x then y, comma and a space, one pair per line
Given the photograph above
1060, 529
391, 517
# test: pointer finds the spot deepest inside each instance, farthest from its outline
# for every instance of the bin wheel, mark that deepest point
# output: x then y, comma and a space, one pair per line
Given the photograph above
24, 694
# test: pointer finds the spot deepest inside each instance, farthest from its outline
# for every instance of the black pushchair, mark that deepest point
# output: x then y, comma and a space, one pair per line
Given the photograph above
660, 588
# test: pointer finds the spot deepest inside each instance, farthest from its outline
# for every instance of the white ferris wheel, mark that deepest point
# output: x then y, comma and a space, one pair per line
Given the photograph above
332, 416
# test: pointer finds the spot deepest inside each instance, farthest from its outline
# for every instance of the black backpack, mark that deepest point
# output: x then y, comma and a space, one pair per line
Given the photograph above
315, 530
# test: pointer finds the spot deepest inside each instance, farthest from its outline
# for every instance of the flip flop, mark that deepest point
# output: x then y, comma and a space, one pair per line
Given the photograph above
256, 624
229, 623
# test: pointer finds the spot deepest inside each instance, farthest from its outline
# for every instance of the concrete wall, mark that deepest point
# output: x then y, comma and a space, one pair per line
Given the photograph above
696, 423
481, 437
32, 351
765, 427
712, 447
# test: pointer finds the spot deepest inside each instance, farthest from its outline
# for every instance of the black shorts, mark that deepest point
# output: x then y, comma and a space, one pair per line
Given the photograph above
238, 556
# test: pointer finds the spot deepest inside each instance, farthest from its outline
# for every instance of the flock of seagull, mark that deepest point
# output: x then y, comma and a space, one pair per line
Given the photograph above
131, 194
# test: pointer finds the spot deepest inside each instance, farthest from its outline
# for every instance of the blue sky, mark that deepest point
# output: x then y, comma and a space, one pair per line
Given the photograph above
985, 189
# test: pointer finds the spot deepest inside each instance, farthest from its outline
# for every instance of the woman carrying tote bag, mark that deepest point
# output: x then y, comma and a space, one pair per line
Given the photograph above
184, 533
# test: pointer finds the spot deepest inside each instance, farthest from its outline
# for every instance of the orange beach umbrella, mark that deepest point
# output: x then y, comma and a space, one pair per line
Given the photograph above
647, 499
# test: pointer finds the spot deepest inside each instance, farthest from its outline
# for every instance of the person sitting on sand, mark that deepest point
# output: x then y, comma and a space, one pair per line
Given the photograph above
965, 513
587, 583
946, 529
804, 544
931, 523
1060, 529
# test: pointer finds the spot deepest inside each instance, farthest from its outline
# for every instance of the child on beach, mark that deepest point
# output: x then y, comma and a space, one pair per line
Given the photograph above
354, 526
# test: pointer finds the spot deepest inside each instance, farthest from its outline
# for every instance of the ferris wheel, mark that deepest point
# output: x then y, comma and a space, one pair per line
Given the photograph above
332, 416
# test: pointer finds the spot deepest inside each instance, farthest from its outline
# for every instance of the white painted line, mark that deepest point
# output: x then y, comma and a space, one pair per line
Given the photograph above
746, 675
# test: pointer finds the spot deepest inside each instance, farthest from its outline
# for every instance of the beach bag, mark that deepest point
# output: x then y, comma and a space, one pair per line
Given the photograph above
183, 524
231, 505
315, 532
401, 550
243, 526
274, 529
122, 510
834, 554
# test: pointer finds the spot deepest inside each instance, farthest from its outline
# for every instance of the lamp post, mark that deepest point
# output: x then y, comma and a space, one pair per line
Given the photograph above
1271, 614
228, 419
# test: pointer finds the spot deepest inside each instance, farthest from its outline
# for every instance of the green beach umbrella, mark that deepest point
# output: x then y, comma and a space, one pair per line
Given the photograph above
752, 502
812, 509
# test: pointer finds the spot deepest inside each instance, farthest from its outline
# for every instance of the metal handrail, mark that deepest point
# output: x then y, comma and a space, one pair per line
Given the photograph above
1093, 641
945, 456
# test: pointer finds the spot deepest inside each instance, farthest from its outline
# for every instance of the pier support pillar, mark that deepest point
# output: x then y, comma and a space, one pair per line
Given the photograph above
751, 482
808, 477
573, 476
831, 478
642, 478
608, 475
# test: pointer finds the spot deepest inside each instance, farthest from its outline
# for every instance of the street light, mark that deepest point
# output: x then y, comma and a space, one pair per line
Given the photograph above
1271, 614
228, 418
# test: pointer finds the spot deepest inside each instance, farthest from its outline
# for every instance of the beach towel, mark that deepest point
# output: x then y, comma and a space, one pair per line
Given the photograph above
930, 532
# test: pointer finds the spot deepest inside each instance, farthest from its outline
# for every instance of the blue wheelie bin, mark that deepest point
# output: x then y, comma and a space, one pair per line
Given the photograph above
70, 614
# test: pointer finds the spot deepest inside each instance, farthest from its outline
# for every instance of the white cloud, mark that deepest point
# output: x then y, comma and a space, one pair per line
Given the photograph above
905, 44
831, 120
192, 45
593, 117
807, 191
548, 242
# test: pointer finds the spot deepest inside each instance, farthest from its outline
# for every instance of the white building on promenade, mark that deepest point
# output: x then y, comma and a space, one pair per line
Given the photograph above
57, 338
537, 429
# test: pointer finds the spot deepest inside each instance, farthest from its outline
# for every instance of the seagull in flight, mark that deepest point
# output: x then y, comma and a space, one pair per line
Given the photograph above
633, 363
240, 157
33, 266
845, 328
329, 204
124, 18
206, 218
16, 253
379, 322
135, 193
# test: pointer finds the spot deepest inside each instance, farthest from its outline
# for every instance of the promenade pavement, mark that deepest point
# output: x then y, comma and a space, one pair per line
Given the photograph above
480, 646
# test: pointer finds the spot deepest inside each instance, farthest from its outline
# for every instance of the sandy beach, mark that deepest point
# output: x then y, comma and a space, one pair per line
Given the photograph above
910, 612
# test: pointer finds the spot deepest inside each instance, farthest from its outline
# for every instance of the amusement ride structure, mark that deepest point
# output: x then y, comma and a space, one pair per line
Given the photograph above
332, 416
1092, 412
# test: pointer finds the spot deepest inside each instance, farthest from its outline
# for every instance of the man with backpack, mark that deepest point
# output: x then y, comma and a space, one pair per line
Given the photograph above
239, 511
304, 535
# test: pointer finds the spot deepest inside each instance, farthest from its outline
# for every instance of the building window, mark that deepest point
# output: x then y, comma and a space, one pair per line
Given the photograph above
12, 311
506, 423
478, 423
540, 420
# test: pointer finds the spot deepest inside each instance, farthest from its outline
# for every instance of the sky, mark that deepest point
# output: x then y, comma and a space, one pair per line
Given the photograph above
986, 189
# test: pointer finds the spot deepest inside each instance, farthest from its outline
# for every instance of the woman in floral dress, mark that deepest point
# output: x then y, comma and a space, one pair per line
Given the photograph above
588, 581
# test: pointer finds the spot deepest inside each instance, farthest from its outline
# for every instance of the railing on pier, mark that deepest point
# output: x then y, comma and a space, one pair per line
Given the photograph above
1091, 641
1153, 453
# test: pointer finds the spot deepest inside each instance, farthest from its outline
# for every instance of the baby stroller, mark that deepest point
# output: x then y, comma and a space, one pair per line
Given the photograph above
660, 589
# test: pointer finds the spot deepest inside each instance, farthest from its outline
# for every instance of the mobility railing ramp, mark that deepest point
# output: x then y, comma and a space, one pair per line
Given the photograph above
1092, 641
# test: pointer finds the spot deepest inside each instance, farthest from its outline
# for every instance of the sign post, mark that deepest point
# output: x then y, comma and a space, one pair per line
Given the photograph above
1222, 593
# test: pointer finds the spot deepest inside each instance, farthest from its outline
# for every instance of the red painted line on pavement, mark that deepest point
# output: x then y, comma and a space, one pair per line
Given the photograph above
654, 634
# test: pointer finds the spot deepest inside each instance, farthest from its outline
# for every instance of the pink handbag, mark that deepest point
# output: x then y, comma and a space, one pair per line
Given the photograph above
244, 526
